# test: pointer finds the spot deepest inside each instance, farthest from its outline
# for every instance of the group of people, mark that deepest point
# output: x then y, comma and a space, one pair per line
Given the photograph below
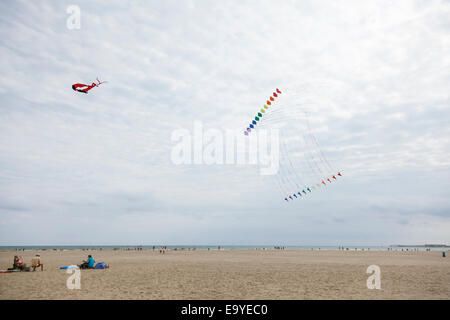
19, 264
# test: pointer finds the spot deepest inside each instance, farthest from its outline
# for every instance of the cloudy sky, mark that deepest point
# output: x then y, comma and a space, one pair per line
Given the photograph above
97, 169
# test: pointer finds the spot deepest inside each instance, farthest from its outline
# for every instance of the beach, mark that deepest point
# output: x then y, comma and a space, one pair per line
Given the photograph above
231, 274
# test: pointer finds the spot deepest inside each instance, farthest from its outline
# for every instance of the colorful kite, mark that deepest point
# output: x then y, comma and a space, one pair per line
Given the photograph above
261, 112
303, 168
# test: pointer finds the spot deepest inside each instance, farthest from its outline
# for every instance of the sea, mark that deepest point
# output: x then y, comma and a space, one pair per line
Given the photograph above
222, 247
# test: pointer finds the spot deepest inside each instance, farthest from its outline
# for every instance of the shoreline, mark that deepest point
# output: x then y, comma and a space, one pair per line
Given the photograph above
221, 248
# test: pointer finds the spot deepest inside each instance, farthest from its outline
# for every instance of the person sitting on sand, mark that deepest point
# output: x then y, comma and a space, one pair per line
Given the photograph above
18, 263
36, 263
16, 259
89, 264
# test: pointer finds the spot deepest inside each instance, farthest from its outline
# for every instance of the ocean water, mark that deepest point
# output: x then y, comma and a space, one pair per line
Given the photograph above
216, 247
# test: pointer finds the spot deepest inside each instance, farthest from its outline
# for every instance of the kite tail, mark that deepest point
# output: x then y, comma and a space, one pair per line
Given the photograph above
93, 85
101, 82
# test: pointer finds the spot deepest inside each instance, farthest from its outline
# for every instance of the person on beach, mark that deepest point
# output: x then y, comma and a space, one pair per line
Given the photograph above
18, 263
36, 263
89, 264
16, 259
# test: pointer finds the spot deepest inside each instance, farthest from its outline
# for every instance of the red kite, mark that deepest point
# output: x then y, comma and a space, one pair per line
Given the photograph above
86, 87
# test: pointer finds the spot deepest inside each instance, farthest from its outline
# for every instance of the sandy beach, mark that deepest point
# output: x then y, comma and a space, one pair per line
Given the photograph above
232, 274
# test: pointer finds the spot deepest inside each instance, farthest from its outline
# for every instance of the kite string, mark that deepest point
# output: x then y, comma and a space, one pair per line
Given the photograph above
322, 156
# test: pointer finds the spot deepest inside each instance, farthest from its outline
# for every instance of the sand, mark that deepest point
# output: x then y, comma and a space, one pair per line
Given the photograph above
232, 274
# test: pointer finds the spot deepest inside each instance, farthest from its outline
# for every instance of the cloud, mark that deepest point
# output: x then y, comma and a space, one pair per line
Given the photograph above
374, 78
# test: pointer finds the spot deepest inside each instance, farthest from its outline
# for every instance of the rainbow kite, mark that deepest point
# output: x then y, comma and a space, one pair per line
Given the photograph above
262, 111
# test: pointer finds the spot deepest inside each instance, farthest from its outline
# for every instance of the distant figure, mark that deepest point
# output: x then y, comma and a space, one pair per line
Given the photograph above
36, 263
443, 254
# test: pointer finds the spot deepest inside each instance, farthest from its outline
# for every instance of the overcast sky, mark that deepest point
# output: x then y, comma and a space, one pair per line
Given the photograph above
97, 169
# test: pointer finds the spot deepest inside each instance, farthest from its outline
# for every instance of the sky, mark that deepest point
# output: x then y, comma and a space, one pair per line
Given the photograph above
86, 169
